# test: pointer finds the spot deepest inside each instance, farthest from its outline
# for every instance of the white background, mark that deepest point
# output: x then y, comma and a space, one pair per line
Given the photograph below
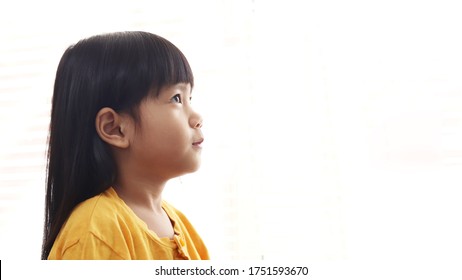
333, 128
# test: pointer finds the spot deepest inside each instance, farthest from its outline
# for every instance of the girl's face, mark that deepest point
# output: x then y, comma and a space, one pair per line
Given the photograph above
167, 141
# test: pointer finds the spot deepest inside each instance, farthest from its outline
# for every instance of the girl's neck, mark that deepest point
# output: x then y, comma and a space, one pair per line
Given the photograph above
141, 194
145, 200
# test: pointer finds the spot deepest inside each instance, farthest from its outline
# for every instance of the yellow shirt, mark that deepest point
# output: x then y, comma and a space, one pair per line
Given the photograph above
104, 227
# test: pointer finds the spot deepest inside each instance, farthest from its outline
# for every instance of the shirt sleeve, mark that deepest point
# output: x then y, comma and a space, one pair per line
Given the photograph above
91, 248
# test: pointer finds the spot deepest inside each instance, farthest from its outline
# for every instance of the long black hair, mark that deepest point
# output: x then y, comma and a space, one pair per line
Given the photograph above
116, 70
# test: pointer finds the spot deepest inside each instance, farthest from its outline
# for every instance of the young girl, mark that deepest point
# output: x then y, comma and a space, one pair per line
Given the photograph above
122, 125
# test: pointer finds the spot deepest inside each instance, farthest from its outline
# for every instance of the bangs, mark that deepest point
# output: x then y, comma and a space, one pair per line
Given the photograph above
166, 65
136, 65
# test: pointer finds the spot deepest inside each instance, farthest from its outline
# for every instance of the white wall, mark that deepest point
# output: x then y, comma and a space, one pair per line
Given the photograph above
333, 128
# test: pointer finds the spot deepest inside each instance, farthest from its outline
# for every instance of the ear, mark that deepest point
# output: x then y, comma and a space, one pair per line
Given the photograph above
112, 128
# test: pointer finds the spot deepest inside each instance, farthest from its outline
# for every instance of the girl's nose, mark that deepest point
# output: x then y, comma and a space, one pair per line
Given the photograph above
196, 120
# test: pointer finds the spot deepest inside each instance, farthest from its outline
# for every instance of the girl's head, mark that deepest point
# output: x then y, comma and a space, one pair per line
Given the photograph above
106, 91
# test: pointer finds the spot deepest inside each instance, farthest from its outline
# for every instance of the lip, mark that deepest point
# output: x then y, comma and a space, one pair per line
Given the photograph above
198, 143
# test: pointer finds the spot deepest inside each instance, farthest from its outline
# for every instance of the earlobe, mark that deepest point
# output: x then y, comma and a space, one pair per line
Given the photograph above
110, 127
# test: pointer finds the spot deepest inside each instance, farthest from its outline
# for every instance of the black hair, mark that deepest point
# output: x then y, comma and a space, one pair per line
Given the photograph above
116, 70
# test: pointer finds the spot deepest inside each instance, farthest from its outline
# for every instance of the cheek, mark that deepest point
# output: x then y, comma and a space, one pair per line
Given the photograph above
166, 138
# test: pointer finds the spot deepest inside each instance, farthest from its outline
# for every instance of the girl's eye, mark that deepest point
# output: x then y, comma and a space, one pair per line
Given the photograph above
176, 99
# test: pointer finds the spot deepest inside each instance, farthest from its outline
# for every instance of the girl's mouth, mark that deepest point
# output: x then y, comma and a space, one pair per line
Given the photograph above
198, 143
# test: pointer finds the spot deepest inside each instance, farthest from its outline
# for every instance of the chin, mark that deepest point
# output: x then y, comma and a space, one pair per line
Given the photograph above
195, 168
189, 169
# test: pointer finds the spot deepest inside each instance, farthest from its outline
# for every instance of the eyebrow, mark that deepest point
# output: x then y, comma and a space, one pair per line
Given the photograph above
182, 86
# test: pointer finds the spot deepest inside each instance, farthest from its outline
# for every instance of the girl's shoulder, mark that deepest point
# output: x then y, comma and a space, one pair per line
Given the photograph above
96, 218
98, 215
106, 205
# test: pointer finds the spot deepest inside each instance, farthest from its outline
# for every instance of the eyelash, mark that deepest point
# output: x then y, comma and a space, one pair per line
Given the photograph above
177, 99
